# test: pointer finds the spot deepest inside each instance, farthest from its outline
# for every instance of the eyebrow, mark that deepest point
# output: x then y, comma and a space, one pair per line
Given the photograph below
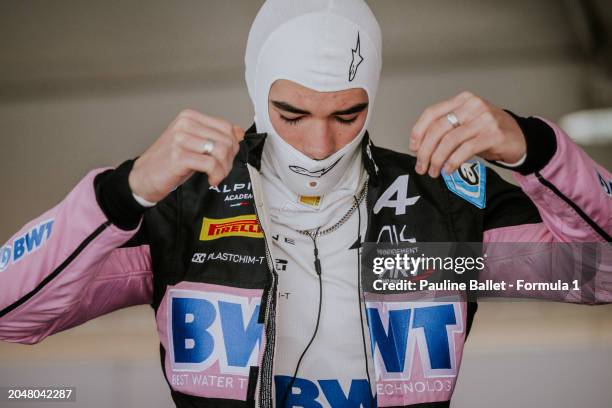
353, 109
289, 108
292, 109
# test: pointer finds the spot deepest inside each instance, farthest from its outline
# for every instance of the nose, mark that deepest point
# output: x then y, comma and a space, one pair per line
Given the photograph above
320, 142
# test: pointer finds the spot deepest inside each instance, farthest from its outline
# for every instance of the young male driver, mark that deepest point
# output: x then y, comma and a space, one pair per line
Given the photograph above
248, 250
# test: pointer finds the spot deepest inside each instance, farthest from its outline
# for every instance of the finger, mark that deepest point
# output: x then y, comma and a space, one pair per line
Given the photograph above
208, 133
219, 124
450, 142
465, 152
196, 144
238, 132
204, 163
432, 113
438, 129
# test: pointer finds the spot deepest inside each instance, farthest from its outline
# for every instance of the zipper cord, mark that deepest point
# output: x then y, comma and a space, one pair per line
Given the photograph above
363, 339
318, 270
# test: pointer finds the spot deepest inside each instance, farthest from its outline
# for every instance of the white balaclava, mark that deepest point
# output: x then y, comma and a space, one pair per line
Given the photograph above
325, 45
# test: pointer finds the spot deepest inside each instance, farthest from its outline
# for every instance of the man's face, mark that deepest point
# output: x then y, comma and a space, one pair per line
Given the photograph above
316, 123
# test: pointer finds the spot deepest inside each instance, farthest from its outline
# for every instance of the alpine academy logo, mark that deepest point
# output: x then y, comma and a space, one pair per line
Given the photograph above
241, 226
357, 59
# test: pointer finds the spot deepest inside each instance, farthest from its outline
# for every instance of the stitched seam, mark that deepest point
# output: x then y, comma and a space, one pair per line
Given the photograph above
56, 272
562, 198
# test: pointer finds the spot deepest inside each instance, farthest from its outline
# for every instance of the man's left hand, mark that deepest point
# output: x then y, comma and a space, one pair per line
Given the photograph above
483, 129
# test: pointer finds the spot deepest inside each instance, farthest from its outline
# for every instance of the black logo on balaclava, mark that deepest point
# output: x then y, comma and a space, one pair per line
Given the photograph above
315, 174
357, 59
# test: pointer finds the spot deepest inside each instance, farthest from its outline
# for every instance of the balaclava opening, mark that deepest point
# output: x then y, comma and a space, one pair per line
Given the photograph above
325, 45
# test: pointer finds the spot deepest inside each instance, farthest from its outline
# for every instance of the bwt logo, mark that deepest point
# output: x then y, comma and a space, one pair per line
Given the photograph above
209, 327
25, 244
307, 393
397, 328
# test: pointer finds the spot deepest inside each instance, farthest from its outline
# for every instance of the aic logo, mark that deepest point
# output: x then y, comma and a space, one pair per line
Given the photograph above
243, 225
394, 236
399, 329
209, 327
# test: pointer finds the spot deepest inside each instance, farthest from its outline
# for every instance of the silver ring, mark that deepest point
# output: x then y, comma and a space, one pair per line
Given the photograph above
208, 147
453, 119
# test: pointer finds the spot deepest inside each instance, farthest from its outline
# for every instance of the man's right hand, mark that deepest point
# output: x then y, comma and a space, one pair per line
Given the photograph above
180, 152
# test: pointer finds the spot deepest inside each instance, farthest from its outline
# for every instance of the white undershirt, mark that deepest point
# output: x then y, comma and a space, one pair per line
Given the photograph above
336, 356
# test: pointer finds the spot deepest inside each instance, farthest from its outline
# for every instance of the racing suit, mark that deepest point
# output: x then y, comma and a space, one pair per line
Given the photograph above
204, 265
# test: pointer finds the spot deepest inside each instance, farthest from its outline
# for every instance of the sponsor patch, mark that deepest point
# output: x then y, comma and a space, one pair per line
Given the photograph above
330, 392
240, 226
24, 244
201, 257
394, 235
416, 348
231, 188
236, 195
396, 196
398, 330
212, 338
311, 201
469, 182
242, 196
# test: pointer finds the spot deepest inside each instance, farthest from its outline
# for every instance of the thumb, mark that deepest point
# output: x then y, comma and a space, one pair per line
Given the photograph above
238, 132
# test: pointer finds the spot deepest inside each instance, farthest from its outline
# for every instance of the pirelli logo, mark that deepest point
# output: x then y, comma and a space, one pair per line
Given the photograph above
241, 226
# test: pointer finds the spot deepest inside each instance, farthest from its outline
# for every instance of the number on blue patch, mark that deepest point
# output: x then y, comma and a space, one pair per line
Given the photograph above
469, 182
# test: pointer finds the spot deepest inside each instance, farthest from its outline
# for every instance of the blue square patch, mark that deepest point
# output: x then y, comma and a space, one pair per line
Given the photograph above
469, 182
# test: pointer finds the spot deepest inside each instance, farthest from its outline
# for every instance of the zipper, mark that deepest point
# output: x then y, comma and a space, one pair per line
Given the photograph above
265, 384
573, 205
363, 310
263, 390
